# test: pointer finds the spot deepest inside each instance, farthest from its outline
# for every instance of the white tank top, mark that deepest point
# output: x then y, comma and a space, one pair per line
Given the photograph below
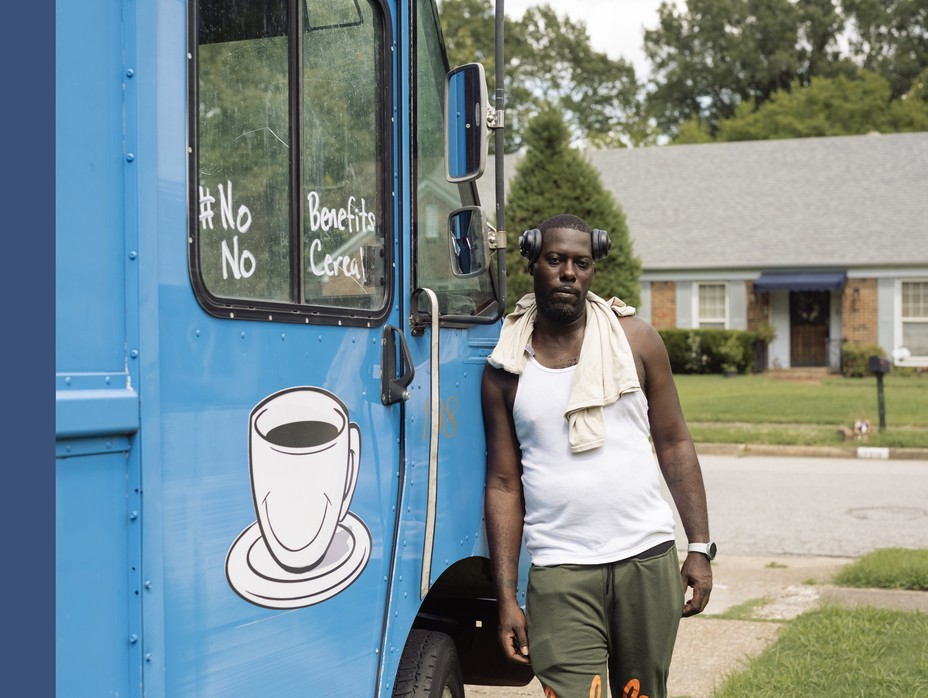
593, 507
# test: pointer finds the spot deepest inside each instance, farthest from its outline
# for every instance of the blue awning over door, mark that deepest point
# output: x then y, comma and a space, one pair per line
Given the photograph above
801, 281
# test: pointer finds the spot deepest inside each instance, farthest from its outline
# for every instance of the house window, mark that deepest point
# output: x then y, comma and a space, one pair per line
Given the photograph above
914, 317
711, 306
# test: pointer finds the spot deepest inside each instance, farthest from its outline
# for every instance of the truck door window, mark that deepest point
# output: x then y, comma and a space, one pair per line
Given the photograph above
435, 196
289, 215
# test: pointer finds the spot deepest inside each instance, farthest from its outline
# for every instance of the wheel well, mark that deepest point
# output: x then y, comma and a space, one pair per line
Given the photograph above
462, 604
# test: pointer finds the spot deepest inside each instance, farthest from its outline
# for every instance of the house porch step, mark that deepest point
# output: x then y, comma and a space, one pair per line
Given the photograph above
806, 373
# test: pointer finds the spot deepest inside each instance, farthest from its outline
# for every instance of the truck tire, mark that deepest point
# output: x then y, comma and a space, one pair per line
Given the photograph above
429, 667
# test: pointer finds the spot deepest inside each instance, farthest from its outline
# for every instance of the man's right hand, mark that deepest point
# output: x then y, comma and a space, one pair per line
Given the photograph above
512, 635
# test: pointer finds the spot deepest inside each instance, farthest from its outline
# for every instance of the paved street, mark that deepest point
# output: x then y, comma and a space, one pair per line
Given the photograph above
780, 521
815, 506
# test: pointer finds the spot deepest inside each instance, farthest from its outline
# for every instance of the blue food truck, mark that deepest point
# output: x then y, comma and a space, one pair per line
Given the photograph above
275, 294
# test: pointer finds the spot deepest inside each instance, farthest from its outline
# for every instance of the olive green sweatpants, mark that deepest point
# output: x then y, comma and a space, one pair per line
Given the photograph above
623, 615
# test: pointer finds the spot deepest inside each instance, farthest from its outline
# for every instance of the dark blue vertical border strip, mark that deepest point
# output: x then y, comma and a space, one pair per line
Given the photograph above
28, 288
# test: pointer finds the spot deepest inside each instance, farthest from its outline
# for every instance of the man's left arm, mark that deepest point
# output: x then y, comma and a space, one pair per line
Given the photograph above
676, 455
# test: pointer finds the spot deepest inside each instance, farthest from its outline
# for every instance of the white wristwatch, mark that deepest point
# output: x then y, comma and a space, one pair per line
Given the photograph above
708, 549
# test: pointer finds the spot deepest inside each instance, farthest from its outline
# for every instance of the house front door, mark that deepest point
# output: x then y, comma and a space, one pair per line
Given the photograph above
809, 312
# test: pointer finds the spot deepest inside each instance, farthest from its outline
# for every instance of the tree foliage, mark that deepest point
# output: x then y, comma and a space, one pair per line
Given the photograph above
550, 62
555, 65
554, 178
717, 54
711, 60
891, 38
839, 106
470, 34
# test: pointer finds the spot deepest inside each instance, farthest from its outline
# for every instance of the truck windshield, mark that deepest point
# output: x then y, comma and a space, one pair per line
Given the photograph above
435, 196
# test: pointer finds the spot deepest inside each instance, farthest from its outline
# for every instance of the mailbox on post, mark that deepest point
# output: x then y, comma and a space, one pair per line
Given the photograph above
879, 367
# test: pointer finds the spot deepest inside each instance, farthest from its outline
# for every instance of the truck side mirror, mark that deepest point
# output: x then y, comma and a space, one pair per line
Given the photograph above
467, 231
466, 132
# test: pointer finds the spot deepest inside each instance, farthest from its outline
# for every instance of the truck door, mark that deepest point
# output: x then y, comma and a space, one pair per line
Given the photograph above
451, 325
277, 455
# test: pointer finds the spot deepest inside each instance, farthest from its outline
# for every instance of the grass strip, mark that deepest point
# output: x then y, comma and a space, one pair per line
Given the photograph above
838, 652
745, 610
887, 568
802, 435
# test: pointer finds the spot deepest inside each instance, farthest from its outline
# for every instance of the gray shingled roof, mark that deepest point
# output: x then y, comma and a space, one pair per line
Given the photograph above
852, 201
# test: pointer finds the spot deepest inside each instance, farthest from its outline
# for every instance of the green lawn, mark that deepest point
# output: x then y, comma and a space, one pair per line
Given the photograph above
837, 652
756, 409
888, 568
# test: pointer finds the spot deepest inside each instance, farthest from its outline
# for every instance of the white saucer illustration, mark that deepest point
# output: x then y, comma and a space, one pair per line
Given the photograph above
257, 577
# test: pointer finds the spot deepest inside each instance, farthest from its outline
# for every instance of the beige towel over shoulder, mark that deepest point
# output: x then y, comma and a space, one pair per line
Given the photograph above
605, 371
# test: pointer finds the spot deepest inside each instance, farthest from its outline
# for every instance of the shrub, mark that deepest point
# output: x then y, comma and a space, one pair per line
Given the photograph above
732, 354
710, 350
855, 358
677, 348
766, 332
696, 359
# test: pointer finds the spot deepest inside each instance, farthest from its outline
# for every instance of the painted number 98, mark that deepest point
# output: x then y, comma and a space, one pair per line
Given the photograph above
446, 419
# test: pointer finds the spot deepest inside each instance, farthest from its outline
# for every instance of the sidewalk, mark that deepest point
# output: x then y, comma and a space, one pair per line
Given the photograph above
764, 593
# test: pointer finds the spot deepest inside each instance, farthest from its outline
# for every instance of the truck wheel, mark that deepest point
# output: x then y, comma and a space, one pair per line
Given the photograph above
429, 667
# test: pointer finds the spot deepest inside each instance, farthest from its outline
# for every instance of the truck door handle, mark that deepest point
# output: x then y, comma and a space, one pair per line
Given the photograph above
393, 387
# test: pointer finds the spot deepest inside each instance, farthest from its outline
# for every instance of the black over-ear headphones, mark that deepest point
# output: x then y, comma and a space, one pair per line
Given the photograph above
530, 244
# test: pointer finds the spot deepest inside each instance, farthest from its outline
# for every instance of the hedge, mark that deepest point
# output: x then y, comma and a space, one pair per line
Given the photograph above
855, 359
709, 351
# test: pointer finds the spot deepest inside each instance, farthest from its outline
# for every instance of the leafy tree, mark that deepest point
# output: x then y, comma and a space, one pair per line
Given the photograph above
550, 62
919, 89
554, 64
819, 28
711, 60
717, 54
891, 38
469, 29
837, 106
910, 112
693, 130
554, 178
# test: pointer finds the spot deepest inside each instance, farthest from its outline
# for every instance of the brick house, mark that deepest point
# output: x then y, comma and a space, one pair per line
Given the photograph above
824, 238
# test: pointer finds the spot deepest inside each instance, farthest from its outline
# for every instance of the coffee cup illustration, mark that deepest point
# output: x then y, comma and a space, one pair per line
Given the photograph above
304, 454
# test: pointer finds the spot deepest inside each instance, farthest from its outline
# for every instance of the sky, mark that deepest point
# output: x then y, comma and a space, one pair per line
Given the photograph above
614, 26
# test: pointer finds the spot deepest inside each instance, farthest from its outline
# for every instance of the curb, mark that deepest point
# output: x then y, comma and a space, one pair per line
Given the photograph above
863, 452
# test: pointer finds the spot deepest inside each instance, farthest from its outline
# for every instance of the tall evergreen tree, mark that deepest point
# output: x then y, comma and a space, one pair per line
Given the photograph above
554, 178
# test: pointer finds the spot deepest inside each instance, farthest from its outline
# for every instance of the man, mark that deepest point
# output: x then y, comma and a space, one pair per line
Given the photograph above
574, 394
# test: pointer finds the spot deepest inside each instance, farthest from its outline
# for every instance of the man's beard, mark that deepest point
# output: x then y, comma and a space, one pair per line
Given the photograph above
558, 308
